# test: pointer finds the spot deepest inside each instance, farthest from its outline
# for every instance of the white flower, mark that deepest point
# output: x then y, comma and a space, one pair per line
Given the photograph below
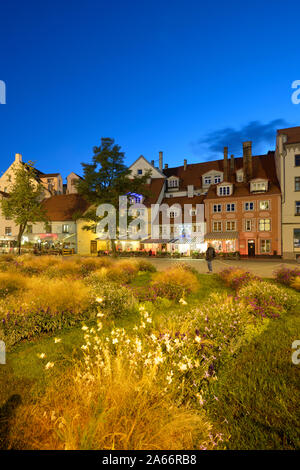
182, 367
41, 356
114, 341
57, 340
84, 328
198, 339
99, 300
84, 346
182, 302
49, 365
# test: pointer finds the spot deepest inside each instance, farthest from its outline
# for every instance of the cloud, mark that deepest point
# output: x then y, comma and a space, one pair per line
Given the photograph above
262, 136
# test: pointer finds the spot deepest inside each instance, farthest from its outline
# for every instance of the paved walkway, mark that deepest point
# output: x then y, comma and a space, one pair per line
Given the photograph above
263, 268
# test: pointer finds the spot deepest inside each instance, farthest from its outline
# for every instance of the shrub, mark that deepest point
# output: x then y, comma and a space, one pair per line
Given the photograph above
117, 301
123, 271
100, 410
286, 276
236, 278
268, 300
144, 265
11, 282
46, 305
175, 283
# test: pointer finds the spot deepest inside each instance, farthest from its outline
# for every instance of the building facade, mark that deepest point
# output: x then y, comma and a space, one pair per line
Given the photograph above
287, 157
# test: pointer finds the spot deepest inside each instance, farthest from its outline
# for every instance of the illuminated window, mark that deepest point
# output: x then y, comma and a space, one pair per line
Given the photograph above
264, 225
264, 205
265, 246
230, 225
65, 228
217, 226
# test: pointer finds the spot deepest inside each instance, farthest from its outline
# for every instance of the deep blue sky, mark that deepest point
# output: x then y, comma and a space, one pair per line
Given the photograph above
184, 77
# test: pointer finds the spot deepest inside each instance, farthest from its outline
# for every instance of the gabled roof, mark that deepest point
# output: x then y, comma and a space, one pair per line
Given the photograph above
48, 175
63, 206
292, 133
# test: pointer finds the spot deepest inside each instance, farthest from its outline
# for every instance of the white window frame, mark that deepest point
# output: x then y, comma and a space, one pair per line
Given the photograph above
264, 201
245, 207
230, 204
217, 222
264, 224
217, 206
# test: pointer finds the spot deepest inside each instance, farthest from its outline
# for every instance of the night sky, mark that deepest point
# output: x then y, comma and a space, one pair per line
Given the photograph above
184, 77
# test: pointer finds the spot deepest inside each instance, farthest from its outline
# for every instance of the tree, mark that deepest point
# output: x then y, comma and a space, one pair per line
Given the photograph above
23, 204
107, 178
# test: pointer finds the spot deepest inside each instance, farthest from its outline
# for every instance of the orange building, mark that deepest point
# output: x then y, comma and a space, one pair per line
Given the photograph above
243, 212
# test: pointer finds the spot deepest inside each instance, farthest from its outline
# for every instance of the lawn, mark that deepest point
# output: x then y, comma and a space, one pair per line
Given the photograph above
172, 360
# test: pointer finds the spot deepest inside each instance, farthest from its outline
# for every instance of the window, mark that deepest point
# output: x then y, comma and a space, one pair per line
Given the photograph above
48, 228
217, 227
297, 183
217, 208
230, 225
239, 177
296, 237
249, 206
207, 180
264, 225
65, 228
7, 218
262, 186
224, 190
248, 225
140, 172
173, 183
265, 246
173, 214
193, 212
297, 208
29, 229
297, 160
217, 179
230, 207
264, 205
8, 231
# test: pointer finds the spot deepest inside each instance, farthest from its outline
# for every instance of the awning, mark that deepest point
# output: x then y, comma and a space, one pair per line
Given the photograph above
155, 240
221, 236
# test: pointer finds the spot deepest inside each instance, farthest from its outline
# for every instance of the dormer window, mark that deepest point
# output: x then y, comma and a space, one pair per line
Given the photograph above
217, 179
207, 180
240, 176
224, 190
258, 186
139, 172
173, 182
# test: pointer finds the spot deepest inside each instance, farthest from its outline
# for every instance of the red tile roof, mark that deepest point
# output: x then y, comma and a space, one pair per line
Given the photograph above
154, 189
292, 133
263, 167
63, 206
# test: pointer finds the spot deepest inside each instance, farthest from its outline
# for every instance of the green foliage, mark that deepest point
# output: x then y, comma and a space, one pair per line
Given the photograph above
106, 179
23, 205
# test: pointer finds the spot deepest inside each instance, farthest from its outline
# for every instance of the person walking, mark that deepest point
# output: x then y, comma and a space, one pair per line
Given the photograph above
210, 255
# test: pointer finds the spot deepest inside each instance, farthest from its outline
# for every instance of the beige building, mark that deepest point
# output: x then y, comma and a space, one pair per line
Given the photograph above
287, 157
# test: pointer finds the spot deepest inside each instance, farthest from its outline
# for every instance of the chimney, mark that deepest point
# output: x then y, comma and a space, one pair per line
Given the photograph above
18, 157
225, 164
231, 165
152, 162
166, 166
185, 164
247, 160
160, 161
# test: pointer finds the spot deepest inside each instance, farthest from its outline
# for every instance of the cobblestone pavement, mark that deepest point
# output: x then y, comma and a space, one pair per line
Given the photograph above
263, 268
